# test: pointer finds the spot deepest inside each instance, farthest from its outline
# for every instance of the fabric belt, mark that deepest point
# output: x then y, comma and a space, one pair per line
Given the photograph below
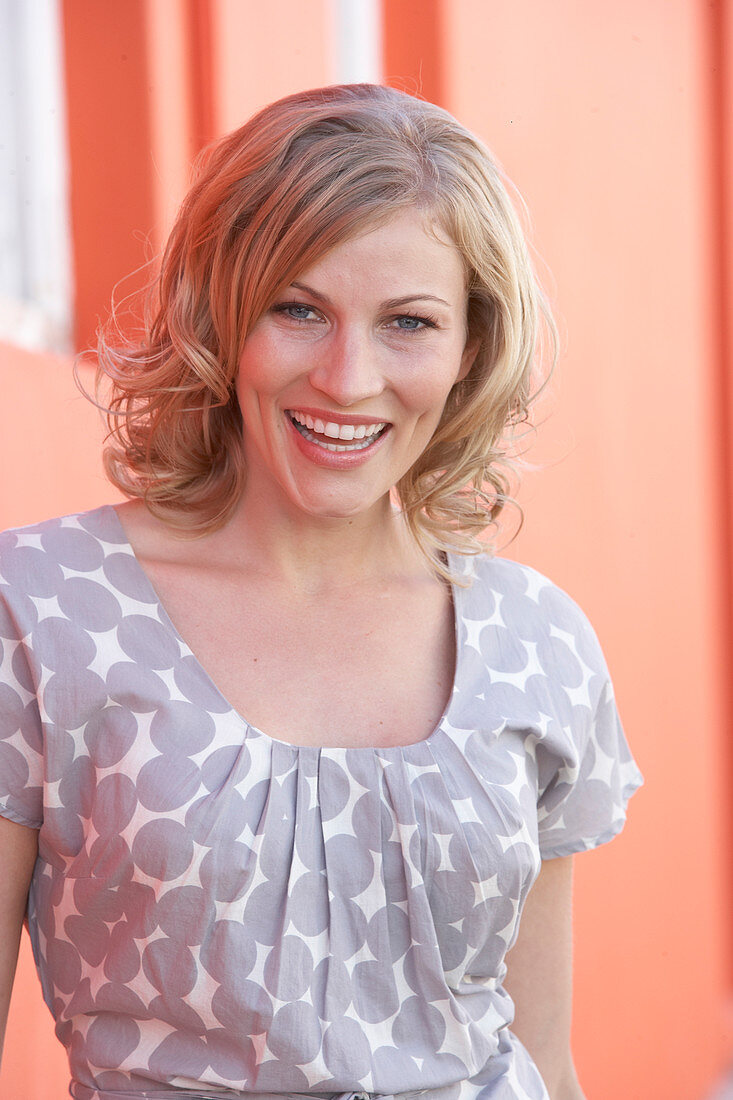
181, 1094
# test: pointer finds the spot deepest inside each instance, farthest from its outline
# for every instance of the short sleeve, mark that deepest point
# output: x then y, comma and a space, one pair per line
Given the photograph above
585, 788
542, 680
21, 740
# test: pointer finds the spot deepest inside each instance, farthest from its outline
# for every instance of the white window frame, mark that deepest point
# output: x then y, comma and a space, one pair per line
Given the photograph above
35, 244
357, 41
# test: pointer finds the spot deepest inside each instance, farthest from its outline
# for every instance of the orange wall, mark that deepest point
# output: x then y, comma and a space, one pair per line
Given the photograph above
110, 151
50, 439
721, 91
603, 116
611, 120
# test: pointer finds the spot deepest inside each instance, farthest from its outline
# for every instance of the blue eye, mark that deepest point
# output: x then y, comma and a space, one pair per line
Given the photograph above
296, 311
409, 322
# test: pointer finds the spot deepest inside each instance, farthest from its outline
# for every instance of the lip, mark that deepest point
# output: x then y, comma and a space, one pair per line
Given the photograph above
333, 460
337, 418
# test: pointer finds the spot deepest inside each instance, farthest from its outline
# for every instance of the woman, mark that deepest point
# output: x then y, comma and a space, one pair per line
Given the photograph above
289, 746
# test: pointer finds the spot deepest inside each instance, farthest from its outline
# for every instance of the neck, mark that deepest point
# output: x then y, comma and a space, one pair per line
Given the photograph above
312, 552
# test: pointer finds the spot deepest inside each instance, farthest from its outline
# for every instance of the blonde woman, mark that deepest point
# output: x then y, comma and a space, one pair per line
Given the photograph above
293, 769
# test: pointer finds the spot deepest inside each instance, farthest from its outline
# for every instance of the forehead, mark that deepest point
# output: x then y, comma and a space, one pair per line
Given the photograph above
410, 247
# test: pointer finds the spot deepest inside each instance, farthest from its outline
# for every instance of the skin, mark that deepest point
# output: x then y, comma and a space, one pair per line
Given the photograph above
539, 978
18, 851
315, 560
334, 341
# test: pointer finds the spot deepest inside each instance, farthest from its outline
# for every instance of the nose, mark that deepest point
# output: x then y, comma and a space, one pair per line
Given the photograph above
347, 369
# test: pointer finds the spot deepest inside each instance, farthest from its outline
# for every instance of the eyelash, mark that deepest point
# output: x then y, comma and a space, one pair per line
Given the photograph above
284, 307
427, 322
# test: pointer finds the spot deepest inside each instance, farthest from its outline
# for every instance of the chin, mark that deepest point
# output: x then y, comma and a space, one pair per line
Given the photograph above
337, 509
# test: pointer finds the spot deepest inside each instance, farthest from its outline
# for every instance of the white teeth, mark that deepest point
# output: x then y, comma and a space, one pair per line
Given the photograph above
336, 431
363, 434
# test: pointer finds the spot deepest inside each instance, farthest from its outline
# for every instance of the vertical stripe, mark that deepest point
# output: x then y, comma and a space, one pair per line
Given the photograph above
357, 41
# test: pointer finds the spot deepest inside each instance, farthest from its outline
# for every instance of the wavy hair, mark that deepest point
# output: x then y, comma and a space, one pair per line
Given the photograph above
270, 199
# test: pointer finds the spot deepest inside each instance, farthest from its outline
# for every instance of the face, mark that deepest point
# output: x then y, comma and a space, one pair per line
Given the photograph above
343, 381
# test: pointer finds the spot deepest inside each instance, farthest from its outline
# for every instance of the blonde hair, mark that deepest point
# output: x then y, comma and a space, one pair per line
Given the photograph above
270, 199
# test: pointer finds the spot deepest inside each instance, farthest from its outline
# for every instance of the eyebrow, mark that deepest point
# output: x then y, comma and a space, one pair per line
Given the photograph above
391, 303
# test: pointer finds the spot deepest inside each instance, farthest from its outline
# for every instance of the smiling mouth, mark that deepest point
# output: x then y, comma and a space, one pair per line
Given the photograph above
336, 437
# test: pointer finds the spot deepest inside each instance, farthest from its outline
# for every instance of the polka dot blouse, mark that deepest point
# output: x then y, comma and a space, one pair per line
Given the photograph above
215, 913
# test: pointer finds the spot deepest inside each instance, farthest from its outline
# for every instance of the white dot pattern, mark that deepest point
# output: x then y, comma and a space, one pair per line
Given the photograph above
217, 913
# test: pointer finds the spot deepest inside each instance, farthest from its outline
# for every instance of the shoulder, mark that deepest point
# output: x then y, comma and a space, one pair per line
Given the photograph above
36, 560
527, 607
65, 536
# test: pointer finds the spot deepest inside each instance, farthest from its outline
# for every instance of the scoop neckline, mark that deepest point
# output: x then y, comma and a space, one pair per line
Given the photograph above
456, 596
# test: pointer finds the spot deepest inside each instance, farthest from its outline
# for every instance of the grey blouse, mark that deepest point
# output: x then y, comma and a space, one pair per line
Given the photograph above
215, 913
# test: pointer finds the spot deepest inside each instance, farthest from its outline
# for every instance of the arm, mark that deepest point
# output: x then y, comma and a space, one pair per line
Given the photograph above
539, 978
18, 851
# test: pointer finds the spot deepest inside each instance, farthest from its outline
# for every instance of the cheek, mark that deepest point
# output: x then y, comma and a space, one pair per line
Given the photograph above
430, 386
254, 371
255, 386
